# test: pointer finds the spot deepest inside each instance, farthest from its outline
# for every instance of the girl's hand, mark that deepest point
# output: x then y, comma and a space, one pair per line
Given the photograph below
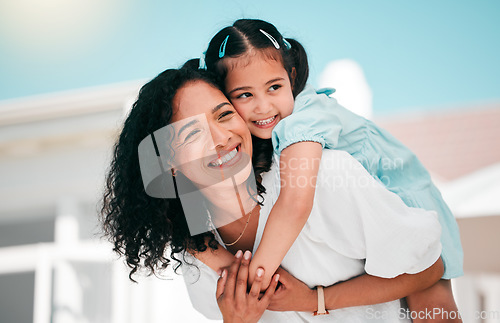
236, 305
293, 295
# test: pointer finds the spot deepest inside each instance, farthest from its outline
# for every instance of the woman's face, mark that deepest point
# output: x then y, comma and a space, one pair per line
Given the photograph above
212, 142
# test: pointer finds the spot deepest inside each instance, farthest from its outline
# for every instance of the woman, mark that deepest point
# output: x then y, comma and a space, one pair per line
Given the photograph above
340, 241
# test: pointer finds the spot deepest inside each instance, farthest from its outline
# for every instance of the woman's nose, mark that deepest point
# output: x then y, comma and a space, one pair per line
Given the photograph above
220, 135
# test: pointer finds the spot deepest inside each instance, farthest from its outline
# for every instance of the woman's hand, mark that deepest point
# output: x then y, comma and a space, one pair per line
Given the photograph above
236, 305
293, 295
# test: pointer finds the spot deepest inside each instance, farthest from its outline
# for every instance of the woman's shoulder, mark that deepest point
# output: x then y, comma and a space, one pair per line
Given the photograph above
271, 178
331, 159
339, 160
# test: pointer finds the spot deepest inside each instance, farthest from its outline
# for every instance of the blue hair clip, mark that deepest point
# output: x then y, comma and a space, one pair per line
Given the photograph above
203, 64
222, 48
287, 44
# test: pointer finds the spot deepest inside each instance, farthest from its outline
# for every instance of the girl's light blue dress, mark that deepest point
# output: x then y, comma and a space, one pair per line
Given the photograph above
317, 117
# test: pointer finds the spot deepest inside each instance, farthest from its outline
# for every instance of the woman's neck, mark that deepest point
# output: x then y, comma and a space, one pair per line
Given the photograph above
228, 202
240, 234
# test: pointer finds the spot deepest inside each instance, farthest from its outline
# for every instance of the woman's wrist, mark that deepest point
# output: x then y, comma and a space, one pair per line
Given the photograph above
233, 320
330, 297
313, 300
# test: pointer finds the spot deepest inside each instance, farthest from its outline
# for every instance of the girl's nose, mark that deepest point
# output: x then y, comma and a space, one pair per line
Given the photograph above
262, 106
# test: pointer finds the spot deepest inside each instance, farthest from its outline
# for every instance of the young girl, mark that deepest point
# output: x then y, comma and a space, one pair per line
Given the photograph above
265, 78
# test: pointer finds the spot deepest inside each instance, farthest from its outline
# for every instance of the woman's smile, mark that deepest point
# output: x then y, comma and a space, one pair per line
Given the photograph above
220, 145
226, 158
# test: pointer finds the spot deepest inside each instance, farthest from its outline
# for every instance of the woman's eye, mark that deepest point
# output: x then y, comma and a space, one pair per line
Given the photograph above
191, 135
274, 87
224, 114
244, 95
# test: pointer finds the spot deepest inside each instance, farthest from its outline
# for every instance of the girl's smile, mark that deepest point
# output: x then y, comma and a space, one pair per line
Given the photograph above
266, 123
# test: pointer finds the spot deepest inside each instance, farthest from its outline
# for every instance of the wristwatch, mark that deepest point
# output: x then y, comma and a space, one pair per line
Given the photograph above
321, 302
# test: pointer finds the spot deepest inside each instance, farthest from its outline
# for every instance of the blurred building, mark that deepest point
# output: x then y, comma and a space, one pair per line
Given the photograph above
54, 266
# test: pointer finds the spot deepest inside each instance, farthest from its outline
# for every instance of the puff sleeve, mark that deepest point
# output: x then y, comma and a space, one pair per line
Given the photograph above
313, 119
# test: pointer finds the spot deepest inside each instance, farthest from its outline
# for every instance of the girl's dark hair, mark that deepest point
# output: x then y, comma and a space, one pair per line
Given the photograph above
245, 35
139, 226
261, 159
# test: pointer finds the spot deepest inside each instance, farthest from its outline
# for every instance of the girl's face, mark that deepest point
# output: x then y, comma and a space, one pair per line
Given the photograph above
261, 93
211, 141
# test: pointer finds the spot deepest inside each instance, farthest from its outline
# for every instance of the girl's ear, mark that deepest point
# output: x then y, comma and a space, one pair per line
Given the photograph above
293, 75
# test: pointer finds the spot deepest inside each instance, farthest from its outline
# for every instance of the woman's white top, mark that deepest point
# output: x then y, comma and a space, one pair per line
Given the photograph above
356, 226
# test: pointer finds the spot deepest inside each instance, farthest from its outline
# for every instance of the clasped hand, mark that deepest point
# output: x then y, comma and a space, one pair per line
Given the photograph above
240, 304
236, 303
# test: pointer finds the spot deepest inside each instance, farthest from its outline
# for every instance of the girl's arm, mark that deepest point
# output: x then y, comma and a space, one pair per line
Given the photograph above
294, 295
379, 290
299, 164
215, 259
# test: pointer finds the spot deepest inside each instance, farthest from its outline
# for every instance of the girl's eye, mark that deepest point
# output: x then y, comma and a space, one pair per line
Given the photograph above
224, 114
244, 95
274, 87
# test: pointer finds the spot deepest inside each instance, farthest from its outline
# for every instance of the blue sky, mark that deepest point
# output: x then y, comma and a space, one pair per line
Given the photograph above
415, 54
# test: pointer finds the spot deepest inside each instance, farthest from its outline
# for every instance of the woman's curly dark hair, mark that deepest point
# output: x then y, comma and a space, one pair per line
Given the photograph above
142, 227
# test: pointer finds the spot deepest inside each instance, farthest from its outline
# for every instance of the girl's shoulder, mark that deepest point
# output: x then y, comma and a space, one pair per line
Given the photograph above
314, 118
309, 97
